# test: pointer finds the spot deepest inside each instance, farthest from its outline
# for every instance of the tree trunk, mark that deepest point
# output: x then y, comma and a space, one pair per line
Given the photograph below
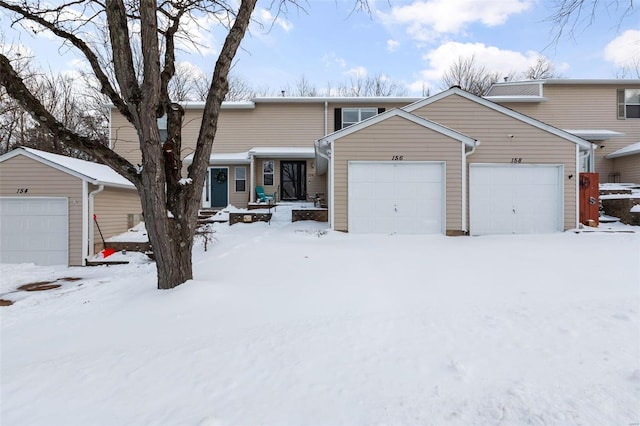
171, 237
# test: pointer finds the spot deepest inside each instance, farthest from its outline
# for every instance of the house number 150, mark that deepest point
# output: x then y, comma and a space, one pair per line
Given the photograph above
397, 157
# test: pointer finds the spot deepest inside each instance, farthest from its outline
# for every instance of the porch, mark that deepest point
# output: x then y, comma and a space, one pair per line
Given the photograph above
286, 174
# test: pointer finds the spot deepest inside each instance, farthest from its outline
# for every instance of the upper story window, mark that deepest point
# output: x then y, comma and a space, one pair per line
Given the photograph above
345, 117
162, 128
628, 103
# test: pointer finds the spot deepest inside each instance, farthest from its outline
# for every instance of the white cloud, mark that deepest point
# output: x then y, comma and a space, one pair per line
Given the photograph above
624, 50
268, 20
392, 45
492, 58
331, 59
427, 19
201, 35
357, 72
15, 51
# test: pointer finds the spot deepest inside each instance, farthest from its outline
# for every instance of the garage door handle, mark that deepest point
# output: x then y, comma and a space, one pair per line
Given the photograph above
395, 207
514, 210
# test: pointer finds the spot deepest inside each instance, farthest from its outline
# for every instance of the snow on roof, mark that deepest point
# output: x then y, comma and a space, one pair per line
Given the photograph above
224, 158
97, 174
594, 134
289, 151
263, 152
632, 149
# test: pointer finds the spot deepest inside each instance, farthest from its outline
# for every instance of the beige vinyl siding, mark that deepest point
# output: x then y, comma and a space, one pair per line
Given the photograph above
394, 137
296, 124
45, 181
239, 199
589, 106
628, 167
111, 207
492, 129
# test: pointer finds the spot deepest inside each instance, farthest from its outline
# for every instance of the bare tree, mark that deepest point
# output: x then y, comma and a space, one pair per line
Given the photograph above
169, 202
631, 69
377, 85
469, 76
63, 97
140, 92
303, 87
541, 70
568, 16
239, 89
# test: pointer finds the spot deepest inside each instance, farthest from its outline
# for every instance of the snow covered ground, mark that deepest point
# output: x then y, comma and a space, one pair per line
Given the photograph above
287, 324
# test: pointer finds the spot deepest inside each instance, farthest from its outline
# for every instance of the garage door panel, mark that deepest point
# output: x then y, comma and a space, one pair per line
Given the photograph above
507, 199
34, 230
408, 198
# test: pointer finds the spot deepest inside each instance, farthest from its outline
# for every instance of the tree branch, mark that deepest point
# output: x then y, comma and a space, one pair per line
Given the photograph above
122, 55
15, 87
94, 62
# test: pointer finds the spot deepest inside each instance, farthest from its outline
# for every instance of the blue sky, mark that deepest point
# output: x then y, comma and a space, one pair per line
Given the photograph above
409, 41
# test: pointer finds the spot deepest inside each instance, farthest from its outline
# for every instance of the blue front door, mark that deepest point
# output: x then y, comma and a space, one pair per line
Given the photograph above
219, 187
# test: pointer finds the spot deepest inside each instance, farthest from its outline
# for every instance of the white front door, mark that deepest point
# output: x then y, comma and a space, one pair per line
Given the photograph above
396, 197
515, 199
34, 230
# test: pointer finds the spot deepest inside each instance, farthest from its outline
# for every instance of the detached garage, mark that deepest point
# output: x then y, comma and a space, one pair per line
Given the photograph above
47, 203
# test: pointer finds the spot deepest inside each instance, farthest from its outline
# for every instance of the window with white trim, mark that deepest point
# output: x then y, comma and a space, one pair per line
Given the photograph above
162, 128
628, 103
351, 116
268, 167
241, 179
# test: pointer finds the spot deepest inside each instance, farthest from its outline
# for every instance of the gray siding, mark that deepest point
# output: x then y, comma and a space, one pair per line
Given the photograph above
492, 129
45, 181
398, 136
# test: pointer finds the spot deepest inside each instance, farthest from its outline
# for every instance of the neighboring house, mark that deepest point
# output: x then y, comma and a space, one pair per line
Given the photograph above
47, 203
264, 142
604, 112
452, 163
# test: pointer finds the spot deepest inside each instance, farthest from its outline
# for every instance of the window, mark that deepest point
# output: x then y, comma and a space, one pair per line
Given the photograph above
241, 179
162, 127
267, 172
345, 117
628, 103
352, 116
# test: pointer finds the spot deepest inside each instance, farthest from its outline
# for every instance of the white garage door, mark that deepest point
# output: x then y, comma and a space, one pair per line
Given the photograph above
34, 230
515, 199
396, 197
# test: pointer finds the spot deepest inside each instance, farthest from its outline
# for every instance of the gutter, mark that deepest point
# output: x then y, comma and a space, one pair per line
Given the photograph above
92, 194
464, 185
329, 159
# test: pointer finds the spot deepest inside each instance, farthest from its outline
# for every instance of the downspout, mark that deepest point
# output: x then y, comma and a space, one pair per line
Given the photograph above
85, 222
252, 192
464, 185
110, 127
329, 182
326, 117
92, 194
